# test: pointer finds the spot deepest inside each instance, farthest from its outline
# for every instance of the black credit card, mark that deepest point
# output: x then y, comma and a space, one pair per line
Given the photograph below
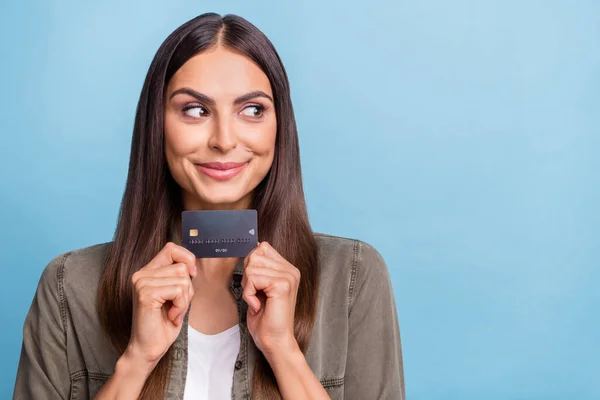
219, 233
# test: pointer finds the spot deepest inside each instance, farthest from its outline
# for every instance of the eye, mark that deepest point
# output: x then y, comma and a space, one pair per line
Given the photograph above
256, 111
195, 111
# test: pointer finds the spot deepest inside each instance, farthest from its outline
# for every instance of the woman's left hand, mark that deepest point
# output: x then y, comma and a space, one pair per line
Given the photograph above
270, 285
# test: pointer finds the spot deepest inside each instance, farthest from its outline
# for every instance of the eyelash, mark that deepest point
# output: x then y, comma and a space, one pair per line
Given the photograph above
259, 106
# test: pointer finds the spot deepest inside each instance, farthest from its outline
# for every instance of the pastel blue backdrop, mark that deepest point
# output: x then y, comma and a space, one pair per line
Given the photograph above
460, 138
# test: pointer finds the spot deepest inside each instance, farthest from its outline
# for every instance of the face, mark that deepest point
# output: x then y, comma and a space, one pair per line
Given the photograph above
220, 129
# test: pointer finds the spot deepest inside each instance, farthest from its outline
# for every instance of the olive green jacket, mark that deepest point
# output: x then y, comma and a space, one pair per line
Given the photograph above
354, 350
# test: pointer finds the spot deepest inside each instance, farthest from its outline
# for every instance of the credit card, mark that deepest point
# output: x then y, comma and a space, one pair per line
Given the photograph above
219, 233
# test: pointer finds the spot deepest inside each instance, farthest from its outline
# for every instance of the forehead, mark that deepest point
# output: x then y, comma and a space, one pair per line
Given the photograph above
220, 73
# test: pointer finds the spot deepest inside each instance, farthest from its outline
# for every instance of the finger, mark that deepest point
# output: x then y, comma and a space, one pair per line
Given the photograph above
249, 294
263, 261
167, 281
271, 286
253, 271
270, 251
155, 297
253, 258
173, 270
177, 269
185, 282
180, 305
259, 270
253, 251
171, 254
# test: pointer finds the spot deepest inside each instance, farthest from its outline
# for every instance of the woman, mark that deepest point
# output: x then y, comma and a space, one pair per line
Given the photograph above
303, 316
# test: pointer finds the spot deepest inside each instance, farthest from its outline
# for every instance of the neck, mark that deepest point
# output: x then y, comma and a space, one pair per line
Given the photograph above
215, 271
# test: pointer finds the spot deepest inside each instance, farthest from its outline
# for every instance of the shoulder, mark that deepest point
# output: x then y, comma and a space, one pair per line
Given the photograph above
77, 271
86, 261
357, 261
351, 272
341, 249
68, 290
339, 246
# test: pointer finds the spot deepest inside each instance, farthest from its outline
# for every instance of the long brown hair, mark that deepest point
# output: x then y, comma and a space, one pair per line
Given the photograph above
152, 202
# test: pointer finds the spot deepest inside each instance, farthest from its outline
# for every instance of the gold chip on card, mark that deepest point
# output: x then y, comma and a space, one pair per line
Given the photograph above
193, 232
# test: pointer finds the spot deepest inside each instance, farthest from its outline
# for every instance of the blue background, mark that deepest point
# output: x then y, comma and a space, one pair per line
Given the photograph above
460, 138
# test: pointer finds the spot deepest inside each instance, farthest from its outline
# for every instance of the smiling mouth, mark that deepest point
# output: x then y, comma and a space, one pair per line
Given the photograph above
221, 171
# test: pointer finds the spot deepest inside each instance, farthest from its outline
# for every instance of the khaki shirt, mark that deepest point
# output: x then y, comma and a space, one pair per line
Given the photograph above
354, 350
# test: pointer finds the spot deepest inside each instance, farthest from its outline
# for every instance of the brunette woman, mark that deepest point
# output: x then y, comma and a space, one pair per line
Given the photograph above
304, 316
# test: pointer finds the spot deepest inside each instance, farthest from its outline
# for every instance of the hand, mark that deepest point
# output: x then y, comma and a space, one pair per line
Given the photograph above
162, 294
270, 285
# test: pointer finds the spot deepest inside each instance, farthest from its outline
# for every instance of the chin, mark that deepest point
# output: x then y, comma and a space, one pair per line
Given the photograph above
226, 198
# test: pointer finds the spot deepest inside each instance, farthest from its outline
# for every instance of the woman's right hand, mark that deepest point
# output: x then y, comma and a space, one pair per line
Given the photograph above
162, 295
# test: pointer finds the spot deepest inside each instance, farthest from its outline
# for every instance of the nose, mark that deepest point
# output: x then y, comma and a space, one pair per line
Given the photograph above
223, 136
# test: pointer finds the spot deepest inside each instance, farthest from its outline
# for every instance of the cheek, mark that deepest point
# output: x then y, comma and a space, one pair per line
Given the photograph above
179, 143
180, 139
262, 141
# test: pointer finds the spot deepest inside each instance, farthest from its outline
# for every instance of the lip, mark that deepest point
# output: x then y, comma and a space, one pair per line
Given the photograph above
221, 171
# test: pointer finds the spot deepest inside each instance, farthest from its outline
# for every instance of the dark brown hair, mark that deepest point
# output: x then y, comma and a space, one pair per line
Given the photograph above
152, 204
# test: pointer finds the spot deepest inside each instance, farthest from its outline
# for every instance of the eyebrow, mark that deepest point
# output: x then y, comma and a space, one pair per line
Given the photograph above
208, 100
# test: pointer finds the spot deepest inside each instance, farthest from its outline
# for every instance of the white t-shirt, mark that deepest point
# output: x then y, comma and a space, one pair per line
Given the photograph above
211, 362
